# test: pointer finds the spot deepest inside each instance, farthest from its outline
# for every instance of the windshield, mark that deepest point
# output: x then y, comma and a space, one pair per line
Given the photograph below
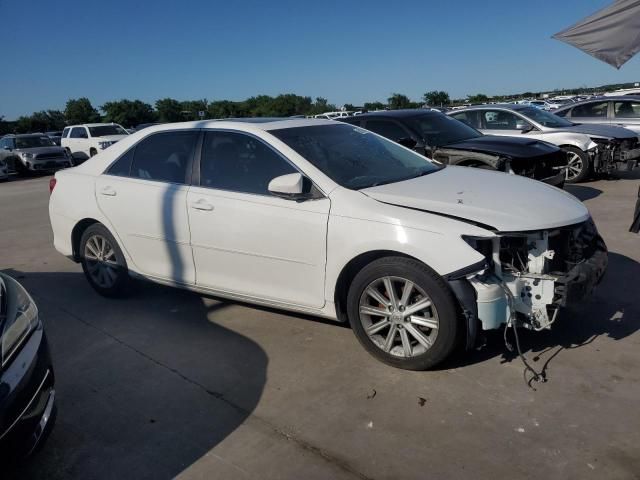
544, 118
104, 130
353, 157
438, 130
33, 142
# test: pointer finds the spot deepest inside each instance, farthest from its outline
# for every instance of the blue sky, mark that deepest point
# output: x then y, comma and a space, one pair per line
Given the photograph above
344, 50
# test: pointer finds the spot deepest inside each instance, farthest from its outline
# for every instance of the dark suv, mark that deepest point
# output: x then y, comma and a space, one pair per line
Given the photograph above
33, 152
452, 142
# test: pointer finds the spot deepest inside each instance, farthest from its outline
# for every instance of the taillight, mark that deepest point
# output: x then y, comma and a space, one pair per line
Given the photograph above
52, 185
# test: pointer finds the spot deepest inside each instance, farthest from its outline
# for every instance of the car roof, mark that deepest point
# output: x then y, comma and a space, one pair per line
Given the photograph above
92, 124
248, 124
403, 113
504, 106
21, 135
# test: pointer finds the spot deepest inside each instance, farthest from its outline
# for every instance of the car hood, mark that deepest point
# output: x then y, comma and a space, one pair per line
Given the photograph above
601, 130
41, 150
497, 200
513, 147
111, 138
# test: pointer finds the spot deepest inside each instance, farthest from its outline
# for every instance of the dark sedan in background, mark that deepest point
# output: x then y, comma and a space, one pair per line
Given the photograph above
452, 142
27, 395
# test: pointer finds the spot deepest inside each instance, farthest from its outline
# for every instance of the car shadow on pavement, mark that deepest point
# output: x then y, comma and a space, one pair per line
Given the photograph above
582, 192
612, 311
145, 385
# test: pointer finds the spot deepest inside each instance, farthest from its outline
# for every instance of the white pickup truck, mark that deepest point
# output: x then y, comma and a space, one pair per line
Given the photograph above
84, 141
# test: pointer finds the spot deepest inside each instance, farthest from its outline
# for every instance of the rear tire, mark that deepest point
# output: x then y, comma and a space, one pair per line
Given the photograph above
579, 165
422, 323
103, 262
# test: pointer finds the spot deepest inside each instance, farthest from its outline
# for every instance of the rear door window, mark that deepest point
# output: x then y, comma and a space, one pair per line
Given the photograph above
590, 110
164, 157
626, 109
78, 132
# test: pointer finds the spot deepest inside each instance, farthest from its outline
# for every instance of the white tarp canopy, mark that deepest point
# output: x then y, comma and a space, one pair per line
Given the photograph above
611, 34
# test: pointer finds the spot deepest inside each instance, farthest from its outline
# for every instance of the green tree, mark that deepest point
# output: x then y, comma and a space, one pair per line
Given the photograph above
57, 120
80, 111
437, 98
169, 110
128, 113
5, 127
42, 121
477, 98
397, 101
321, 105
372, 106
190, 109
226, 109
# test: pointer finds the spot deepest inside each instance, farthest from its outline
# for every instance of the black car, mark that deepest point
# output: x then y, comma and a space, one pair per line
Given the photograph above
27, 395
452, 142
56, 137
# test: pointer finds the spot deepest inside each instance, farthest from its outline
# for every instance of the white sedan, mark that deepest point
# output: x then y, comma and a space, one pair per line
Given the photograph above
329, 219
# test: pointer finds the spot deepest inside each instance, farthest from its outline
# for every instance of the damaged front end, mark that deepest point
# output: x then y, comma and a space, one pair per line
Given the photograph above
528, 276
614, 154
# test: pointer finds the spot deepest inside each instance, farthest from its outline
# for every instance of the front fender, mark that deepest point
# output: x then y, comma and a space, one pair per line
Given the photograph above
349, 238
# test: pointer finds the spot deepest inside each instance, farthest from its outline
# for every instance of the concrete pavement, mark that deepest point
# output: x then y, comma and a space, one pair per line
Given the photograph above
168, 383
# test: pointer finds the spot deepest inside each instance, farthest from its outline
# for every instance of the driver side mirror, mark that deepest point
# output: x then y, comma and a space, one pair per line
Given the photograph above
524, 127
7, 147
290, 186
407, 142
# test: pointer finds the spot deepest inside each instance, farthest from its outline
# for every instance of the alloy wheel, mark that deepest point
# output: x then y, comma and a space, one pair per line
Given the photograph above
574, 166
101, 261
398, 316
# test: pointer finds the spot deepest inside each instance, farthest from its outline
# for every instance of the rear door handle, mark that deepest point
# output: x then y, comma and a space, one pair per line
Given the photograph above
202, 205
108, 191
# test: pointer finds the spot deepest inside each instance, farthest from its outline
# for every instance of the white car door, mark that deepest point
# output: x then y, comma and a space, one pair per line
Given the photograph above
78, 139
144, 195
246, 241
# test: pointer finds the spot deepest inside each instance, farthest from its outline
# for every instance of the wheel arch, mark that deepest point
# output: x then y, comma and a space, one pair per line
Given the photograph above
350, 270
76, 235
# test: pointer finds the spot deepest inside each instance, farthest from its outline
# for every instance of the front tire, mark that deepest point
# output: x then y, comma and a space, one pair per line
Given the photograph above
579, 165
403, 313
103, 262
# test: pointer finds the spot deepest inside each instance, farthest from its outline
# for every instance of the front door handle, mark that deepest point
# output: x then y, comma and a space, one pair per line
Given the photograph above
108, 191
202, 205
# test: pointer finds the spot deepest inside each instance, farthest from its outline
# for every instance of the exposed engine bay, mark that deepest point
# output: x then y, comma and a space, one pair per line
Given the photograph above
530, 275
613, 154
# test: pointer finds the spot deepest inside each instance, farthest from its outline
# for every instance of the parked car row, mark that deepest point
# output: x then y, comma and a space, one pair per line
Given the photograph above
47, 152
334, 220
452, 142
591, 148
